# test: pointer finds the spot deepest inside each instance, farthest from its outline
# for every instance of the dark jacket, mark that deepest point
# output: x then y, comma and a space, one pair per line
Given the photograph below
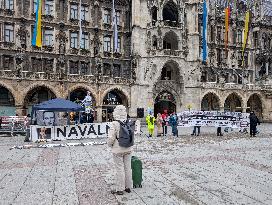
253, 119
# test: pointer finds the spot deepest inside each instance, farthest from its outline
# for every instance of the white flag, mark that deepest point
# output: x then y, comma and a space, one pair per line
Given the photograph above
115, 31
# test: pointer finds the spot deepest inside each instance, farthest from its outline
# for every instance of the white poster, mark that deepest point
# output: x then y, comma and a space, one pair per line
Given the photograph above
213, 119
88, 130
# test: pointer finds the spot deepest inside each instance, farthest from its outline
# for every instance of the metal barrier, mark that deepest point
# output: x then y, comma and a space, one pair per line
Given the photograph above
13, 124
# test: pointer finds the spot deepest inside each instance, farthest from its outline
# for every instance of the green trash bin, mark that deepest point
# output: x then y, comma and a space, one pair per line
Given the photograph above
136, 166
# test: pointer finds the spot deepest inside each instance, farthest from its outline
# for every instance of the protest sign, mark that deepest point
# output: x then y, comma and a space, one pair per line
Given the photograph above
213, 119
88, 130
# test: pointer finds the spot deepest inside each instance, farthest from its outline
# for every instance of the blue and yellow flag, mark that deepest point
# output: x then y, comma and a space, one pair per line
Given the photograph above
37, 34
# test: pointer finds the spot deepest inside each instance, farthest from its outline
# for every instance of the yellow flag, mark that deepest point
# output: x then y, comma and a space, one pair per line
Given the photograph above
245, 35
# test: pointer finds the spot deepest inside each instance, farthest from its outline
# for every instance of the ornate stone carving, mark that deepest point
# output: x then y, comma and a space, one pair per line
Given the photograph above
62, 41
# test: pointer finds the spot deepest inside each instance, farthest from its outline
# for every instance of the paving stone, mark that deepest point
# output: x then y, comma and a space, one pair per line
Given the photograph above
233, 169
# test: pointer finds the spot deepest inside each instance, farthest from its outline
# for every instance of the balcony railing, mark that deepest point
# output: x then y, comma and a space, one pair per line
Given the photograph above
27, 75
165, 23
166, 52
233, 86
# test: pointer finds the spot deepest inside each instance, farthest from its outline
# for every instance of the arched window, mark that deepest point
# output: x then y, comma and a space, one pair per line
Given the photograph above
154, 14
170, 12
154, 42
170, 41
233, 103
210, 102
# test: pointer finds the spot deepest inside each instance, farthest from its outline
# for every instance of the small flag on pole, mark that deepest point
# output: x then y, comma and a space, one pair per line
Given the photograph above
247, 19
37, 34
80, 27
204, 33
115, 29
227, 15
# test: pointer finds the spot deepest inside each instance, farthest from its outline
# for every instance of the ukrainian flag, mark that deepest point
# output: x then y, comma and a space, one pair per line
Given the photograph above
37, 34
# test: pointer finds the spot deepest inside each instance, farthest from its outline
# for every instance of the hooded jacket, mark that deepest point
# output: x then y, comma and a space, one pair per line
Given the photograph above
113, 142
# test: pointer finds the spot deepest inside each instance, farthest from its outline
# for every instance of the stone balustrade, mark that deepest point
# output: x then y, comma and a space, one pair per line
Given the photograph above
166, 52
26, 75
233, 86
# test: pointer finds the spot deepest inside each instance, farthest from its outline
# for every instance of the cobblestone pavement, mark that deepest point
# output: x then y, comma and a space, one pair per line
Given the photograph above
233, 169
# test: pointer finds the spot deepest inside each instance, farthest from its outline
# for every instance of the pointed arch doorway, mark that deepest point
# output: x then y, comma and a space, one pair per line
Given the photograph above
164, 101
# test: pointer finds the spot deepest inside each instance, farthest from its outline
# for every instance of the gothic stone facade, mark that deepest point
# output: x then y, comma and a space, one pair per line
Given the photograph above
157, 64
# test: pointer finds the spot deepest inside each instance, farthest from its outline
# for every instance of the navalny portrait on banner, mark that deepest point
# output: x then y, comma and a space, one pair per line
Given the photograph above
46, 118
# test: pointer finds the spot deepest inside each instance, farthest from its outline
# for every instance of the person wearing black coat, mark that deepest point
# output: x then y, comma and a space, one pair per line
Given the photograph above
253, 119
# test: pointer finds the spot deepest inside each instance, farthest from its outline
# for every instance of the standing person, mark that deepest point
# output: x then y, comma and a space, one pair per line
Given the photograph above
150, 121
0, 122
253, 119
219, 131
164, 123
27, 127
194, 131
159, 121
121, 154
173, 121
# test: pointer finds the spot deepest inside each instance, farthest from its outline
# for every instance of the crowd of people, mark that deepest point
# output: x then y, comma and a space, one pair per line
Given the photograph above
162, 121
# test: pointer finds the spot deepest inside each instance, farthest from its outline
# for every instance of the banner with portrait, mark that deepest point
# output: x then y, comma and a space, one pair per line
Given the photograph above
213, 119
47, 118
88, 130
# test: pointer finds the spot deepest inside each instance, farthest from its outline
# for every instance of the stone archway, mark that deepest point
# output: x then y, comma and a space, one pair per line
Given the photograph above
78, 94
210, 102
7, 102
164, 101
233, 103
110, 101
254, 103
35, 96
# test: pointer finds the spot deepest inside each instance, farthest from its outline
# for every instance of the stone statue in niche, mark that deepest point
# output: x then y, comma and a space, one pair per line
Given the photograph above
153, 72
61, 61
233, 59
62, 46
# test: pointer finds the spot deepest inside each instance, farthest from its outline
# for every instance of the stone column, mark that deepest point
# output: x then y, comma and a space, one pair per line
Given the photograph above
193, 34
21, 110
266, 68
99, 113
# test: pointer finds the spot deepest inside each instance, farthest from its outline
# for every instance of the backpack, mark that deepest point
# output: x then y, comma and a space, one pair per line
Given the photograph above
126, 133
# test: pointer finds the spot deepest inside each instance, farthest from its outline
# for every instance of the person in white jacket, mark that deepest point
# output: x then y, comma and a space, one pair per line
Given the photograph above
121, 155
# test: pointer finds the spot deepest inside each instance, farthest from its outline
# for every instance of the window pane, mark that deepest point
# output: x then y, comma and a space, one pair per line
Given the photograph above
84, 13
9, 4
74, 11
48, 37
74, 38
8, 30
119, 45
49, 4
107, 44
106, 17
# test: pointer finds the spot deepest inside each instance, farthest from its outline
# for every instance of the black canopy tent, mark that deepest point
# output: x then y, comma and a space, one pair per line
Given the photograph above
57, 105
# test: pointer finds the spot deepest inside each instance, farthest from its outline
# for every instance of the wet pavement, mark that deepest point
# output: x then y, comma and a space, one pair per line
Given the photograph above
205, 169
